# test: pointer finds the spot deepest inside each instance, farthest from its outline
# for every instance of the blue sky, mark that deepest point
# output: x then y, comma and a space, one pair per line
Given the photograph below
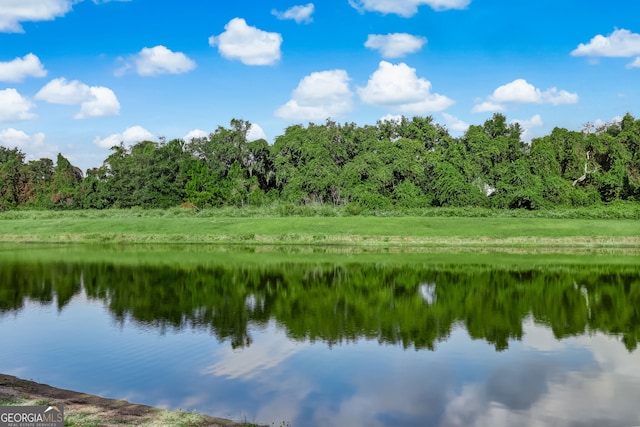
77, 76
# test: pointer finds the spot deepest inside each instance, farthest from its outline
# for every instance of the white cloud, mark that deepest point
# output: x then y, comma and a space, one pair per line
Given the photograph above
130, 136
523, 92
518, 90
14, 107
103, 102
256, 132
406, 8
195, 134
19, 68
297, 13
266, 352
455, 123
247, 44
486, 106
13, 12
528, 124
397, 86
158, 60
395, 45
393, 118
621, 43
635, 63
34, 146
94, 101
585, 395
319, 95
599, 123
59, 91
535, 121
556, 97
540, 338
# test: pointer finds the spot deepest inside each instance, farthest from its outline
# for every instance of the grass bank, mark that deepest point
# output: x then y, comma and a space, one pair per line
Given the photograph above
186, 226
87, 410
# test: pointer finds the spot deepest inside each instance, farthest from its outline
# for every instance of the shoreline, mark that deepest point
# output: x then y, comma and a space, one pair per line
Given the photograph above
371, 241
87, 409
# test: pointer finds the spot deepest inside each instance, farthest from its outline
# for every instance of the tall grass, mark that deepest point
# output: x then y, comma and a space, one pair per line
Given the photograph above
616, 210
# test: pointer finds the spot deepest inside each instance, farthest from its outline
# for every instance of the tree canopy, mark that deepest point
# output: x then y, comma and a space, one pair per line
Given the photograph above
405, 163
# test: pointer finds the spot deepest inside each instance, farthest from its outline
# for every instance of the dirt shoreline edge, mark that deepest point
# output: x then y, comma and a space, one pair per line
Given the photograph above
88, 409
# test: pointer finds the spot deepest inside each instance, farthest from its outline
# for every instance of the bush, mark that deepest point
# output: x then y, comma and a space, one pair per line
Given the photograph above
353, 208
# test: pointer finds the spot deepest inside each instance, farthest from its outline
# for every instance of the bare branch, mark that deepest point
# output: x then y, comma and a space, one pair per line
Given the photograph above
586, 171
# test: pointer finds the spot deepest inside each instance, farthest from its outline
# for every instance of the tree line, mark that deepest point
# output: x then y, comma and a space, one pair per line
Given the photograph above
405, 163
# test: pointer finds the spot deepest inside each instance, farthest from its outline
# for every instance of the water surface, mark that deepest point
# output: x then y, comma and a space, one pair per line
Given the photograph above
355, 342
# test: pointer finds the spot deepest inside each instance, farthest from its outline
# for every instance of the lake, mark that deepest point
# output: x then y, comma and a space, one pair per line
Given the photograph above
315, 338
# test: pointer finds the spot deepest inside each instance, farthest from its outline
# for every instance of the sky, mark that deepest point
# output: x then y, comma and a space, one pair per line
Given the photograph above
80, 76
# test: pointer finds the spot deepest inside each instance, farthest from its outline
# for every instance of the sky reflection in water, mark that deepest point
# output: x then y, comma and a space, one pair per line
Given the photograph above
584, 380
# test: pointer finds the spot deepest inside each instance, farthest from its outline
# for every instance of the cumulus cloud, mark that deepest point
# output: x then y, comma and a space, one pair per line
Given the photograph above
405, 8
517, 91
621, 43
19, 68
14, 12
299, 14
599, 123
528, 124
94, 101
247, 44
392, 118
589, 394
256, 132
398, 87
395, 45
523, 92
265, 353
158, 60
103, 102
486, 106
455, 123
319, 95
14, 107
195, 134
59, 91
635, 63
131, 135
34, 146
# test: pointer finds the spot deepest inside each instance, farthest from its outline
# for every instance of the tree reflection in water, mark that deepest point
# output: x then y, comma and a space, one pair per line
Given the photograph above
401, 305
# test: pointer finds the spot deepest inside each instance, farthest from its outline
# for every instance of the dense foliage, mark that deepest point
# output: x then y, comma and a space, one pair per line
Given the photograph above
412, 306
409, 163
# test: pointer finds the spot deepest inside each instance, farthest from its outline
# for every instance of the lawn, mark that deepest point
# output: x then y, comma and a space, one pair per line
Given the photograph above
172, 226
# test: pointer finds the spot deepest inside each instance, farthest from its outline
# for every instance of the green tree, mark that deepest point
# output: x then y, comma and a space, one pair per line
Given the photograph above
64, 185
11, 177
38, 177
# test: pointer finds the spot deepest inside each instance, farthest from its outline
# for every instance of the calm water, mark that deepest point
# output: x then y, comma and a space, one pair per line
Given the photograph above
357, 344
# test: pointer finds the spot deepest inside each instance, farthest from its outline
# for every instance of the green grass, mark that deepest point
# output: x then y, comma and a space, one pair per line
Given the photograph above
82, 420
182, 419
186, 257
443, 230
174, 226
10, 400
